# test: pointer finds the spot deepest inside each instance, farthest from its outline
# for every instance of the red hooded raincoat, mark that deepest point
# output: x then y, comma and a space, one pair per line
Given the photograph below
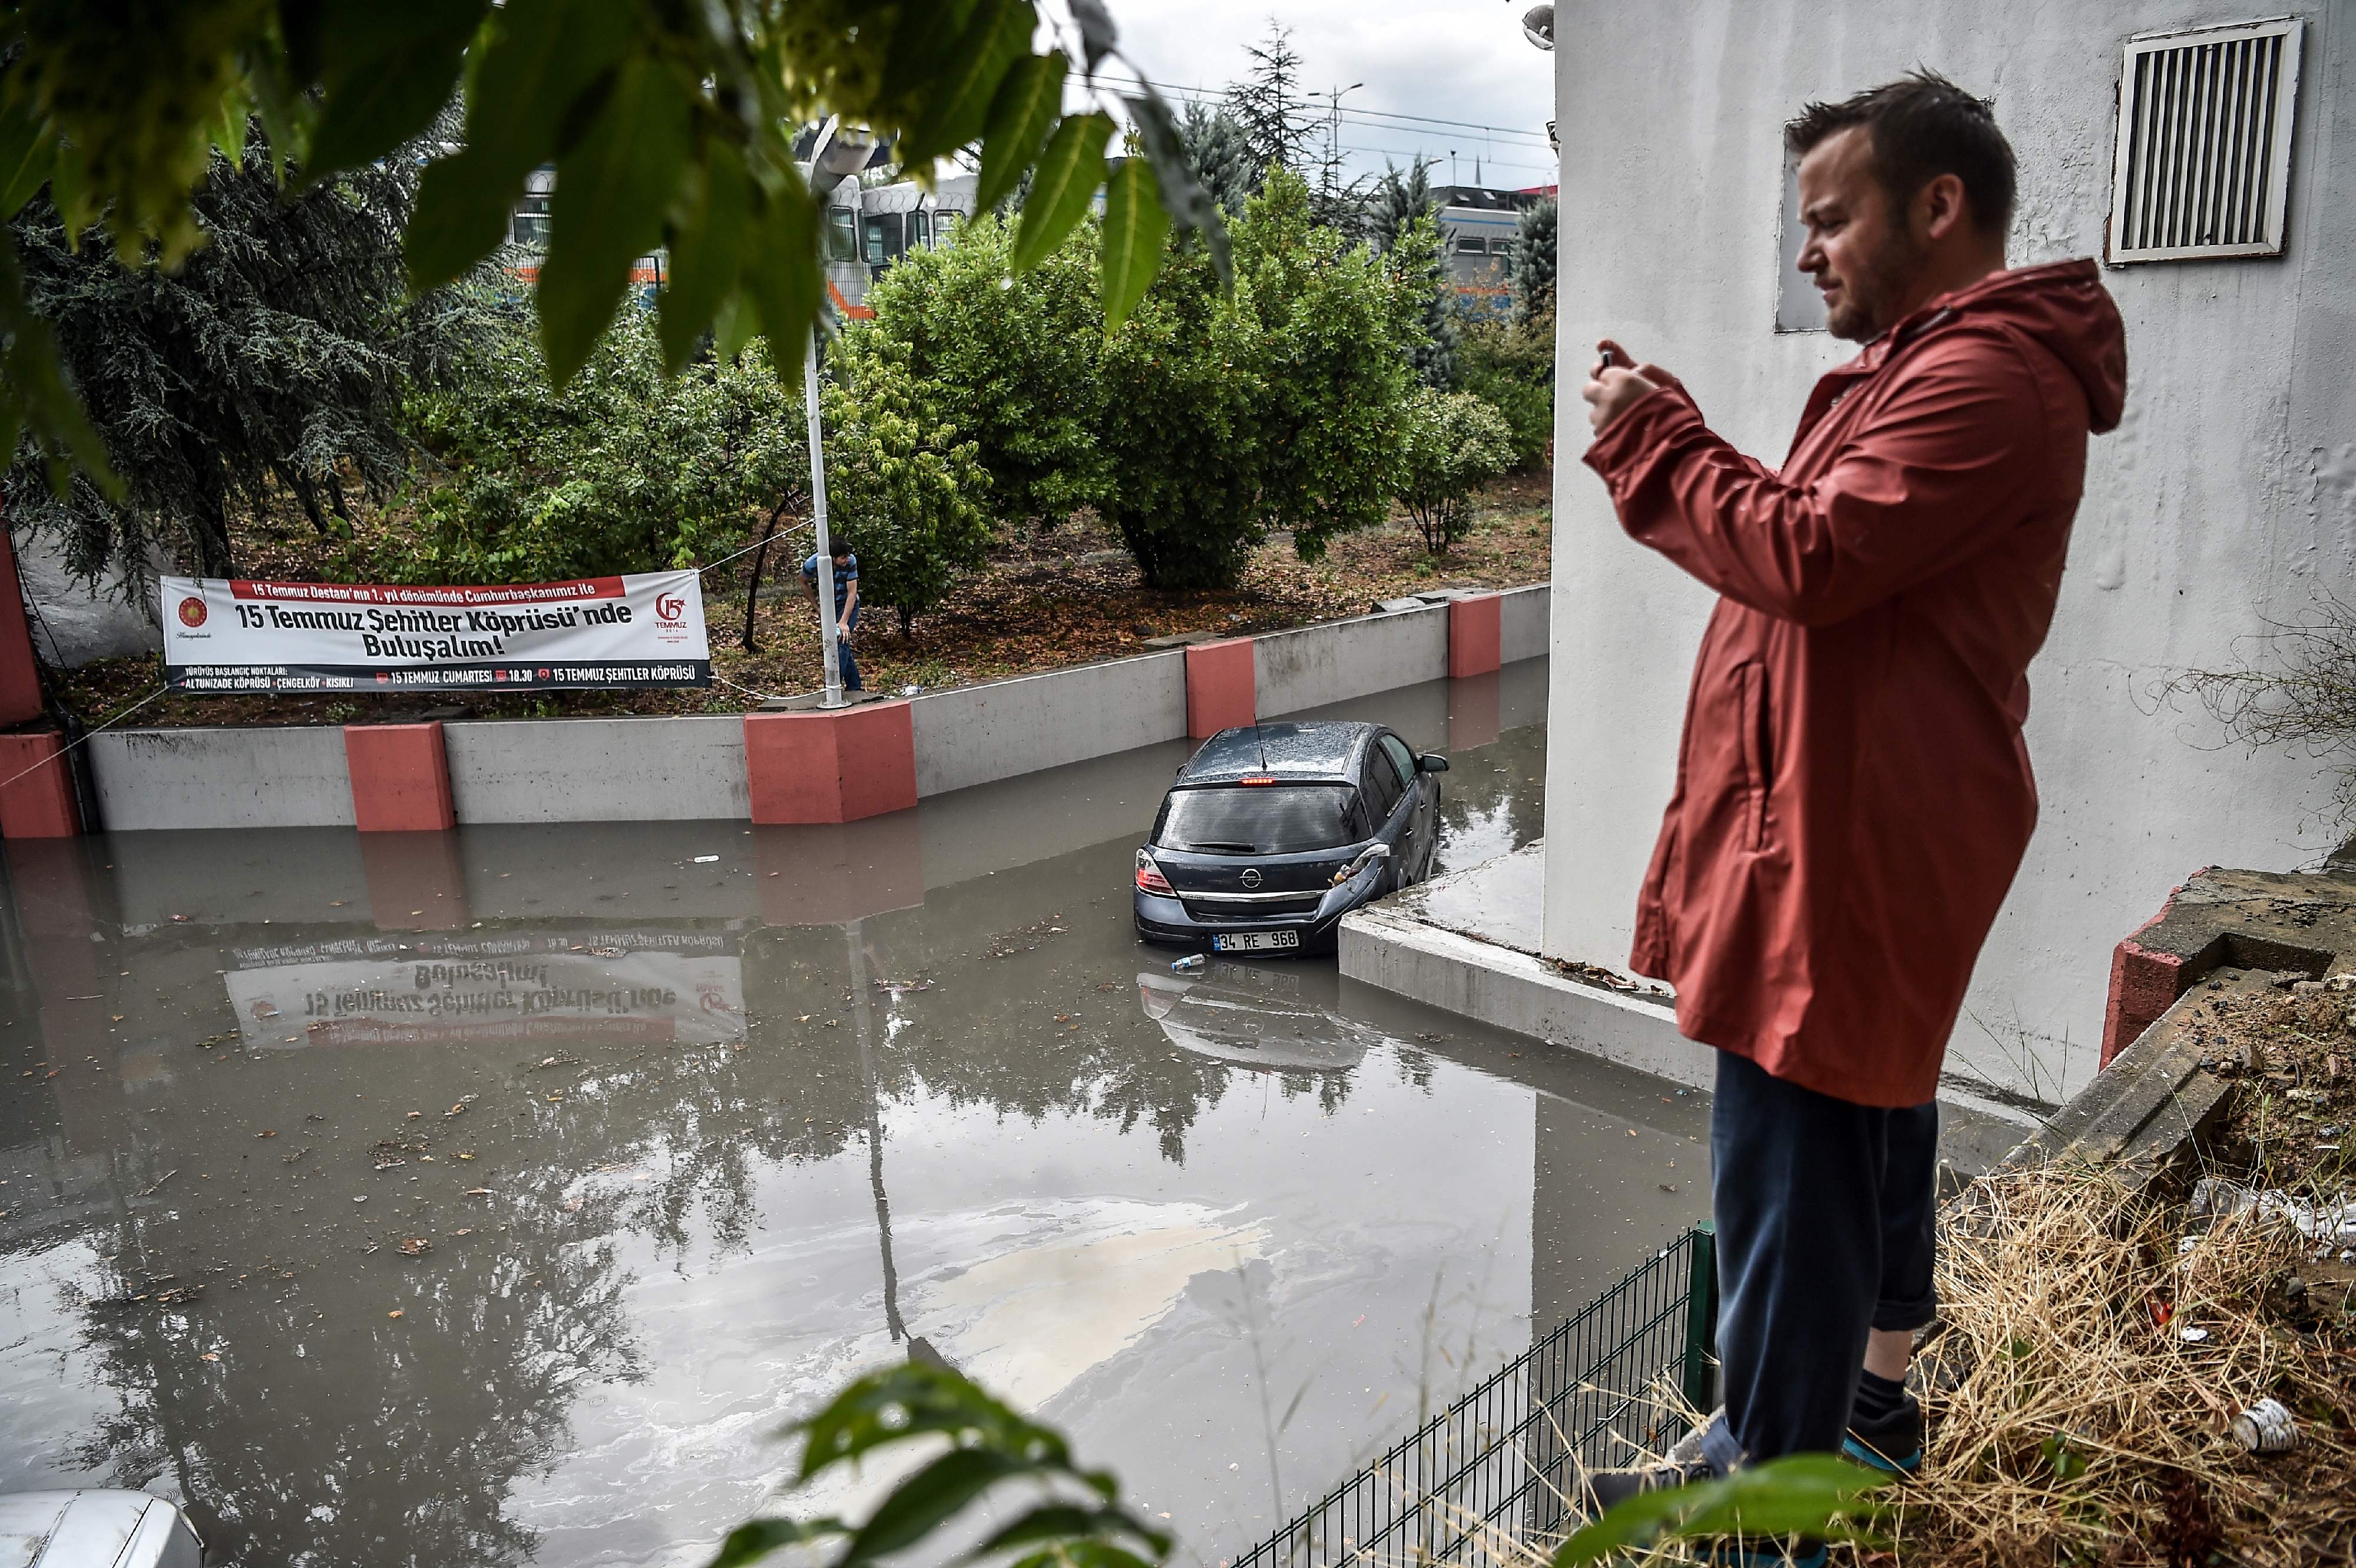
1853, 793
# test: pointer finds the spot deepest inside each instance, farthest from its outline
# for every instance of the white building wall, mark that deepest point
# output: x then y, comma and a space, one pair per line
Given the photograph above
2226, 499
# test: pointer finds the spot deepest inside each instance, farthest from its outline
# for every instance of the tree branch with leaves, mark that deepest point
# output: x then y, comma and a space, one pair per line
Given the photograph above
667, 126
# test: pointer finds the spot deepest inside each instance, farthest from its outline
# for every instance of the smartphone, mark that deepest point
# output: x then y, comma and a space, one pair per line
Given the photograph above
1603, 365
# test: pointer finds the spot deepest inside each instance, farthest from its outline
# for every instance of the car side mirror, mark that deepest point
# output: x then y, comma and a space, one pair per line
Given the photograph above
1432, 762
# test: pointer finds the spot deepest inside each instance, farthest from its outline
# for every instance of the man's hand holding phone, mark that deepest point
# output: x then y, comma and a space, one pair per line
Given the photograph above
1617, 382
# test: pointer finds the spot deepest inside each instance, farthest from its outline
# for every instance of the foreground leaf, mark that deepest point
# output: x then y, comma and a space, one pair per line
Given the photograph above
611, 192
705, 253
1067, 179
1803, 1494
388, 69
1028, 99
1135, 228
756, 1539
912, 1400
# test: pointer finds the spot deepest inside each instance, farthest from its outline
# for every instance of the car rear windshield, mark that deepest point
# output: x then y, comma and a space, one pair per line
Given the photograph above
1258, 819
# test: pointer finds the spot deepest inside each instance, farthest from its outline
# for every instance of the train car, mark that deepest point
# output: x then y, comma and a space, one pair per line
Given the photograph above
868, 228
1477, 229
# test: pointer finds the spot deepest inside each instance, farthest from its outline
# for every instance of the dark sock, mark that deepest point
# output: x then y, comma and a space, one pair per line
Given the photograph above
1878, 1398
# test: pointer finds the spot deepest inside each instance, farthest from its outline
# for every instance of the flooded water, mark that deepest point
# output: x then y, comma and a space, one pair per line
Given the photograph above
494, 1199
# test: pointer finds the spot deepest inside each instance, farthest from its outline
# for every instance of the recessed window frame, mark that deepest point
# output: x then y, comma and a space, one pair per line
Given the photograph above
2139, 139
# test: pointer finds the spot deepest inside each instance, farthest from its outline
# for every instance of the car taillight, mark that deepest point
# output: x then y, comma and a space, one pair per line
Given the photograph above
1150, 878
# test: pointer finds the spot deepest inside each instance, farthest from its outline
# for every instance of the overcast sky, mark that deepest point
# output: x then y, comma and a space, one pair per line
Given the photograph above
1463, 61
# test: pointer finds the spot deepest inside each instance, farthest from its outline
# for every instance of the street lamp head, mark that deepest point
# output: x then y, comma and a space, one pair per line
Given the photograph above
1538, 25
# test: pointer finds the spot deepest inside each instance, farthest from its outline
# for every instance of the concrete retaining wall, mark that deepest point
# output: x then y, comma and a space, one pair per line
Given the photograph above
591, 770
974, 734
1522, 629
288, 776
1346, 659
692, 768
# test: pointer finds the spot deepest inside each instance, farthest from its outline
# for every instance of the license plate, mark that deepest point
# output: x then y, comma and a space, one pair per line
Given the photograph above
1255, 941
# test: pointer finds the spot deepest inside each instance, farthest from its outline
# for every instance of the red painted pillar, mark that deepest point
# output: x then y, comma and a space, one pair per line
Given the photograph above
20, 679
36, 791
400, 778
1221, 690
1475, 635
830, 764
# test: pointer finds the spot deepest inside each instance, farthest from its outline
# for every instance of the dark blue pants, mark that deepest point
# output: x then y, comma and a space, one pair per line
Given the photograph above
848, 665
1824, 1214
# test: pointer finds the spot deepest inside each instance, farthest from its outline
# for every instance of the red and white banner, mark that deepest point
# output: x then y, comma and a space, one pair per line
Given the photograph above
643, 631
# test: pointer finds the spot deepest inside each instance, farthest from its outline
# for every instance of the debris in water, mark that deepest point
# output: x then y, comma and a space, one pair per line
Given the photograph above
395, 1313
1189, 964
414, 1247
705, 859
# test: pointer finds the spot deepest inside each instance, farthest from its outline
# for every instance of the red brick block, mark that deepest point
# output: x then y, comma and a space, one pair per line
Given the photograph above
36, 792
830, 764
1220, 689
400, 778
1475, 635
2144, 984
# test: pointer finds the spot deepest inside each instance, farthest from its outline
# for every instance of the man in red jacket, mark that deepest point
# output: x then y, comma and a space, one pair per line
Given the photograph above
1853, 794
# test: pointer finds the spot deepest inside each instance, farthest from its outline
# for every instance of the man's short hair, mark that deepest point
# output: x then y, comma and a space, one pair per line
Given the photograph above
1922, 126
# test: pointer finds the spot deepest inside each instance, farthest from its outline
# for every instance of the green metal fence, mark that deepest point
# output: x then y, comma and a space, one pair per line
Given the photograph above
1500, 1463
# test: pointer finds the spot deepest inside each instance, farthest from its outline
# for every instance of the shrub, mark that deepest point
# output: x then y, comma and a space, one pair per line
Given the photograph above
1510, 366
1279, 409
1335, 331
1013, 361
901, 488
625, 470
1455, 444
1185, 371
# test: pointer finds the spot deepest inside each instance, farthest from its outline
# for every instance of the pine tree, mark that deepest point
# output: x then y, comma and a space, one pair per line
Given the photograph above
274, 360
1272, 107
1222, 156
1400, 218
1533, 261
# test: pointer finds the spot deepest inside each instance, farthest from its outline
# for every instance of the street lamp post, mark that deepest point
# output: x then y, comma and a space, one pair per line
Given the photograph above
827, 609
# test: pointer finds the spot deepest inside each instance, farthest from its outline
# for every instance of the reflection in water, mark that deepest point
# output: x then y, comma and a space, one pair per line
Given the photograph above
1254, 1017
500, 1202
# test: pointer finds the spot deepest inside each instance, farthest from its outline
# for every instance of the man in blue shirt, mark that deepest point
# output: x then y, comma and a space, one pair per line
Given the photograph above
846, 605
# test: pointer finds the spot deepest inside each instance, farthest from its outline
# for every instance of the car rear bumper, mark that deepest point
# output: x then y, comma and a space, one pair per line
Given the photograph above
1165, 922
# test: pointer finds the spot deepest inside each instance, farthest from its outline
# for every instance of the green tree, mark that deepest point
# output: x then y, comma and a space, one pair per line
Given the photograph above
1010, 360
1455, 444
623, 470
668, 126
275, 360
1402, 221
1336, 331
1186, 372
1509, 364
903, 489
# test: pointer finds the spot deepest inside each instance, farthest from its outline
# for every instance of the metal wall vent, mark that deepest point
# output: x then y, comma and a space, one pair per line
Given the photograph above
2203, 161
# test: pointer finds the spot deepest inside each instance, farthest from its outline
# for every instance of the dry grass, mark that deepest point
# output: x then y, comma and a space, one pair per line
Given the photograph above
2081, 1427
2071, 1420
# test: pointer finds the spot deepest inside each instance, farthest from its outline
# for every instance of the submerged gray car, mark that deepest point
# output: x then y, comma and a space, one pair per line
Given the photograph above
1272, 833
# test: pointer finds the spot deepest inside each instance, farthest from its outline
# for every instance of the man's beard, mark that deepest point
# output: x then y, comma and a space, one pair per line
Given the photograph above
1868, 298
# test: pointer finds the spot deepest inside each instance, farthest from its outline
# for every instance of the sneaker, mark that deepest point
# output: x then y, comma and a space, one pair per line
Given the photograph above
1893, 1446
1601, 1489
